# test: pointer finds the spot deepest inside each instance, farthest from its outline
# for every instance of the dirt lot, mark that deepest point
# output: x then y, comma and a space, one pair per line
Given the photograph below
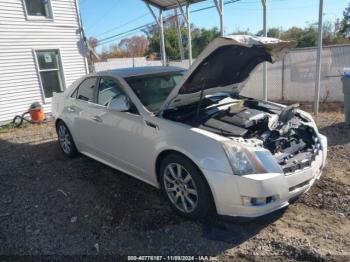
57, 206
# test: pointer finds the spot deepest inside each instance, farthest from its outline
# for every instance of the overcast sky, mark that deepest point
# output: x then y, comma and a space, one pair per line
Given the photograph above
104, 18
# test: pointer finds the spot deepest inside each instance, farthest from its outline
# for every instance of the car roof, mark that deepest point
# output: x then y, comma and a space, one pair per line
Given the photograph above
144, 70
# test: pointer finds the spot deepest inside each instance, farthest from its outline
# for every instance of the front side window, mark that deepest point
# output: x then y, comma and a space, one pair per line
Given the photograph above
152, 90
51, 76
38, 8
86, 90
107, 90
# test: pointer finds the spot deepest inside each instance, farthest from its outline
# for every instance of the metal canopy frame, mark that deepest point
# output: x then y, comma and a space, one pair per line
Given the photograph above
170, 4
264, 5
162, 5
318, 59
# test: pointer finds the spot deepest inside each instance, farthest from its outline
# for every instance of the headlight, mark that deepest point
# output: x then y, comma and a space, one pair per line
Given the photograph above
241, 159
245, 161
308, 117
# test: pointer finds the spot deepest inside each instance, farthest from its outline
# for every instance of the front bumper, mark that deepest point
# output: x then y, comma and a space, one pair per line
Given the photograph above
229, 189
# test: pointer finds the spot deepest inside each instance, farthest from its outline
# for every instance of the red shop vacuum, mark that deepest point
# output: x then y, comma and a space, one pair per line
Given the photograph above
36, 113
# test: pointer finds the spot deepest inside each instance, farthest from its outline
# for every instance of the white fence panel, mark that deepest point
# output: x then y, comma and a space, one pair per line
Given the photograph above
291, 79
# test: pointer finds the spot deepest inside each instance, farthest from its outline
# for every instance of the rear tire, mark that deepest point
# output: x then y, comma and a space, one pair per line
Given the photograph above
65, 140
185, 187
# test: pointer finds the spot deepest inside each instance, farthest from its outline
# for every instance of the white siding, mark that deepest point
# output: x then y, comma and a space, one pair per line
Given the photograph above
19, 80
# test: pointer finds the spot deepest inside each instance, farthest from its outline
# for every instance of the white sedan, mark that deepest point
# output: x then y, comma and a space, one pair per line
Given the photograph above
193, 135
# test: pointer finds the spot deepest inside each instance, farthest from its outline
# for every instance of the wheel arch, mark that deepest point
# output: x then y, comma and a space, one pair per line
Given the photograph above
57, 121
167, 152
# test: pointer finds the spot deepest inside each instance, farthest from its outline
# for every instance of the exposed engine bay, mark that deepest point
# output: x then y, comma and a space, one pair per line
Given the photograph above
288, 135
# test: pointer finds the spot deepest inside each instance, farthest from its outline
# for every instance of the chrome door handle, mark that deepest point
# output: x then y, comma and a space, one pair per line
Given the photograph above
71, 109
97, 119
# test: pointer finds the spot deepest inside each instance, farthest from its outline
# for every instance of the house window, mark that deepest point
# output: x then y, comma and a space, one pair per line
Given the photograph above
49, 66
38, 8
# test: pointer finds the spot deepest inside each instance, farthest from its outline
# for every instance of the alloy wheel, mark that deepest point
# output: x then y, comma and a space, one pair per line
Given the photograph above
180, 187
64, 139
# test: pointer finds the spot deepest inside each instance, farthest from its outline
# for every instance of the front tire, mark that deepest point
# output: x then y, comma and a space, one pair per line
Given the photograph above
65, 140
185, 187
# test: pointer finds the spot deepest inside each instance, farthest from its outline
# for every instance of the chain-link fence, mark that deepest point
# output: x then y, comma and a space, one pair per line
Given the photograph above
291, 79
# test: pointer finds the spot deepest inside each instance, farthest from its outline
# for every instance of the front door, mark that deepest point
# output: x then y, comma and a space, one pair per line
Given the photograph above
122, 138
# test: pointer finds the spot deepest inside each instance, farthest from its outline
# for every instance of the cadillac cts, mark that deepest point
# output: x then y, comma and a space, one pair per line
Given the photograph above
193, 135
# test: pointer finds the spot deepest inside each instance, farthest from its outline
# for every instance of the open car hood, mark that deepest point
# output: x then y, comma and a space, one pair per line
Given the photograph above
225, 65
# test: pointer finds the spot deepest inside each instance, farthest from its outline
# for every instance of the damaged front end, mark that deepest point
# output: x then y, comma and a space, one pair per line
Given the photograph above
208, 97
290, 136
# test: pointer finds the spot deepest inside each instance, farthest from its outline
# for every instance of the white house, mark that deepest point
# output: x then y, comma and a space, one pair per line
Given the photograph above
41, 51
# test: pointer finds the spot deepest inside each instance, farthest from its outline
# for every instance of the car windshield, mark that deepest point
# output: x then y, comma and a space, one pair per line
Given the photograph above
152, 90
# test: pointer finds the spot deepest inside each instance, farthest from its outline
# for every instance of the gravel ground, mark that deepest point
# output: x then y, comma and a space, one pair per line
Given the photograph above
51, 205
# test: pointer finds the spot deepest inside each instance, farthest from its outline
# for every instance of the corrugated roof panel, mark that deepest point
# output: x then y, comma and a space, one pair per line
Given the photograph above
170, 4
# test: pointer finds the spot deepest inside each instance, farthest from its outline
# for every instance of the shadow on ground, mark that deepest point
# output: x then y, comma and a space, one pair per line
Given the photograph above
50, 204
341, 129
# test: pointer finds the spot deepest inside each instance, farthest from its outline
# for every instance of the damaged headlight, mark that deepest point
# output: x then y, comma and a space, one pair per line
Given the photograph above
309, 119
244, 161
240, 159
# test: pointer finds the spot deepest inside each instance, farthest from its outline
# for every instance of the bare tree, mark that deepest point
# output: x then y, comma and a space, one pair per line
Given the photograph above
134, 46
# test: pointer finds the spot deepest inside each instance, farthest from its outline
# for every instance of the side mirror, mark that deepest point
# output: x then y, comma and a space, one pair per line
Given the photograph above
120, 103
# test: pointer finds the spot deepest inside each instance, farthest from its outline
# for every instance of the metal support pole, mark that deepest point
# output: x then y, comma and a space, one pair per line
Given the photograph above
161, 30
222, 18
264, 4
220, 7
162, 40
188, 22
283, 79
189, 34
152, 13
318, 59
179, 35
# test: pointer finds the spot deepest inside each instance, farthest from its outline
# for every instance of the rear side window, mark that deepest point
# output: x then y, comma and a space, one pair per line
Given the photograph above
86, 90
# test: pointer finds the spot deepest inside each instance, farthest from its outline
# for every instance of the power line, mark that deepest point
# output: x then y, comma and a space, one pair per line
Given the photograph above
194, 11
126, 35
122, 25
111, 38
108, 11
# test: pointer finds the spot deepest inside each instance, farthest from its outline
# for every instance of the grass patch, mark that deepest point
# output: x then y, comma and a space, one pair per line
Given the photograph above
10, 126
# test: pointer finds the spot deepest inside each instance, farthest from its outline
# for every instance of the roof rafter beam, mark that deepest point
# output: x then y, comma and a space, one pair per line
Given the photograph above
152, 13
170, 4
182, 12
218, 7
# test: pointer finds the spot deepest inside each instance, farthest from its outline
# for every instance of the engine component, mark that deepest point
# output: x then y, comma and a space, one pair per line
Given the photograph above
220, 127
244, 118
286, 134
